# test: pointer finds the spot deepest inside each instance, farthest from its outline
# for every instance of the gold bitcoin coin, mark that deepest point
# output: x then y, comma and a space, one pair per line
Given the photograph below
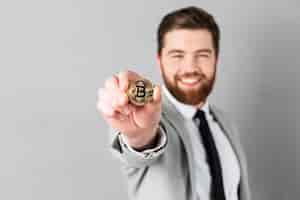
140, 92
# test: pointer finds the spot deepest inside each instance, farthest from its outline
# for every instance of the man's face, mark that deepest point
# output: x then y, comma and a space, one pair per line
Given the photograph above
188, 64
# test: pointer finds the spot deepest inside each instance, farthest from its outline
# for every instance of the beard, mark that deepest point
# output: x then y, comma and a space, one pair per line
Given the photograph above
193, 95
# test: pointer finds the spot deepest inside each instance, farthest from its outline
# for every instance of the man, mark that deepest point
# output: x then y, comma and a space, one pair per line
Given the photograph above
177, 147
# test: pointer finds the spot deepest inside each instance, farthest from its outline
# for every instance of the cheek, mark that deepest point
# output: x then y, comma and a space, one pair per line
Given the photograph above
209, 71
170, 75
209, 68
170, 70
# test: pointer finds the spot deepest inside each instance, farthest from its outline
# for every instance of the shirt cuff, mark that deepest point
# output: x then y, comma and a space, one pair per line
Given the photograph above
147, 153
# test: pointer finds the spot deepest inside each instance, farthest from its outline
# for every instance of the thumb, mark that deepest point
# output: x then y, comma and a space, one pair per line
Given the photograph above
157, 94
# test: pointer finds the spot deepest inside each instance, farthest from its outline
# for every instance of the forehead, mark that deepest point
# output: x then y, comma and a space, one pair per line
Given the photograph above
188, 40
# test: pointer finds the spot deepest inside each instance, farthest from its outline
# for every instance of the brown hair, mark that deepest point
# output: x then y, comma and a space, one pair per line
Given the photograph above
188, 18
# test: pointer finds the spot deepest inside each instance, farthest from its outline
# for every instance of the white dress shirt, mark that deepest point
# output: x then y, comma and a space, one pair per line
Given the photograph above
228, 159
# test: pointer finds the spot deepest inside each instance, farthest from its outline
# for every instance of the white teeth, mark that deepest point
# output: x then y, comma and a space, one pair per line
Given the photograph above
189, 80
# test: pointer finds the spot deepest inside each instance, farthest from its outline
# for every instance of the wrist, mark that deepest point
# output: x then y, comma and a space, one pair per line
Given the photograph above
145, 141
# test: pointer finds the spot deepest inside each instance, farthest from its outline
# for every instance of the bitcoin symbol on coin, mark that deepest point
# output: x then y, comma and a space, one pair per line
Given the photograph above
140, 86
140, 92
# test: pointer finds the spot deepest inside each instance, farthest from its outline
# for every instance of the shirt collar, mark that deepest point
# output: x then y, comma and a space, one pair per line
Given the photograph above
188, 111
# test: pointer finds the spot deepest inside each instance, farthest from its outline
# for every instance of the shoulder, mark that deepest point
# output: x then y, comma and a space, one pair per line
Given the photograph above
224, 117
221, 112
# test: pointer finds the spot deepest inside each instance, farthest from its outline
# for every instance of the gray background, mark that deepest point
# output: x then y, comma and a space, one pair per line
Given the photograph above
55, 54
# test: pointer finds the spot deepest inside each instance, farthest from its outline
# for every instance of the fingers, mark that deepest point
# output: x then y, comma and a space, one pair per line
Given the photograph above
103, 106
119, 97
113, 104
123, 80
125, 77
112, 83
156, 94
113, 99
109, 114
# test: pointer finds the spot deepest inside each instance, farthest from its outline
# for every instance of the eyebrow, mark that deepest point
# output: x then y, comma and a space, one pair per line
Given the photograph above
197, 51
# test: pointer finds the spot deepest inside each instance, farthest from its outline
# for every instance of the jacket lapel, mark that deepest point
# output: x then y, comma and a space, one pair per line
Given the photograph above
178, 122
232, 136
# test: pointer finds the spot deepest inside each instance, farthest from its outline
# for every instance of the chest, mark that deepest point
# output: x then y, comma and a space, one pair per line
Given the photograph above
228, 159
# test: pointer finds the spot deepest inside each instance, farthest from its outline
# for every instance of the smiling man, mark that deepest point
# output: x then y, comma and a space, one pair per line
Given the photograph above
178, 146
188, 64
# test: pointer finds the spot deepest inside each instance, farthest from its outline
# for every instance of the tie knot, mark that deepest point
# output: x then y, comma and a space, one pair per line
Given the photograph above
199, 115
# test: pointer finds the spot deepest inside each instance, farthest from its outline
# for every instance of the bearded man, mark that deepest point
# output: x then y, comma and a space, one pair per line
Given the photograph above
177, 146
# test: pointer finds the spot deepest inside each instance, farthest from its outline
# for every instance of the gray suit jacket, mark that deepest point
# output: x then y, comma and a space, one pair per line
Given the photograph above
170, 174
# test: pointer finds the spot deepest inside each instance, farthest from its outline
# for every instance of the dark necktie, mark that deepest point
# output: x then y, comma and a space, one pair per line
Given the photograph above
217, 191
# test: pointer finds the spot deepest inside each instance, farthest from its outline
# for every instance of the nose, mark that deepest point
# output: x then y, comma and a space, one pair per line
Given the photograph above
189, 64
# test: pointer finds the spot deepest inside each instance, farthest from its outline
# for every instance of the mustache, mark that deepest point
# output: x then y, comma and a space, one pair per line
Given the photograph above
189, 75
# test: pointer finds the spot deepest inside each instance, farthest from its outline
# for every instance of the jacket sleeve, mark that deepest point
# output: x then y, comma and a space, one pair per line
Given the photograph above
137, 159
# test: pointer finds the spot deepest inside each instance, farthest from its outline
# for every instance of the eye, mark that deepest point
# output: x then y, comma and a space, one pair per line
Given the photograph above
203, 55
177, 56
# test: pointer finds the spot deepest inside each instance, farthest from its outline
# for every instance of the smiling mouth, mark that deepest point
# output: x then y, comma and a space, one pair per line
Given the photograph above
189, 81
